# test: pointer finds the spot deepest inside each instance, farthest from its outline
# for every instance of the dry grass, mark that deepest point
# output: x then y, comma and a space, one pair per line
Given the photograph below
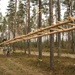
20, 64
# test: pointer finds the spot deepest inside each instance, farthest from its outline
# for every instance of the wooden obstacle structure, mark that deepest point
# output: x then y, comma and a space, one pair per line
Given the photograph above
56, 28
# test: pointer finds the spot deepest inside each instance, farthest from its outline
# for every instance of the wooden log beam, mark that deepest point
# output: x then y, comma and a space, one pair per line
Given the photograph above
71, 24
61, 27
40, 30
37, 36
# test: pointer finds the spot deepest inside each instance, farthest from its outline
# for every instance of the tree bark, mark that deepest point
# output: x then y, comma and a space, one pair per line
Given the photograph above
28, 24
72, 33
39, 42
14, 24
59, 34
51, 36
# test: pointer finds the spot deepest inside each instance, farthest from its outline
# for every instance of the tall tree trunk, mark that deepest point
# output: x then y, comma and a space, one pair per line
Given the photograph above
9, 32
73, 43
25, 41
25, 46
56, 16
59, 38
28, 24
14, 24
73, 48
39, 42
62, 43
51, 36
25, 31
69, 33
15, 18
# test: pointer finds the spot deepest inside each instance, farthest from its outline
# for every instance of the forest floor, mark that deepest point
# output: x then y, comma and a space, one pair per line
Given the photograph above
55, 54
21, 64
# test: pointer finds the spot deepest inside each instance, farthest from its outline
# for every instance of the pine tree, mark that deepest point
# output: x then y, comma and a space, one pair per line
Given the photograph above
28, 24
51, 36
69, 4
21, 13
3, 24
59, 35
10, 15
39, 43
72, 33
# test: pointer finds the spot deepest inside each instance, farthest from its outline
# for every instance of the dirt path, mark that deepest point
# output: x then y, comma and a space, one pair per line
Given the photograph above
47, 54
55, 54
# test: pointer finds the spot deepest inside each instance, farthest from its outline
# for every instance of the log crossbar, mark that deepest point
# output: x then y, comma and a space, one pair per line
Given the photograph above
44, 31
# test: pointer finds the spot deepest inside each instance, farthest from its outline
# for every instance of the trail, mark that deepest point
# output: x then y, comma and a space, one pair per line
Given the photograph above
46, 53
55, 54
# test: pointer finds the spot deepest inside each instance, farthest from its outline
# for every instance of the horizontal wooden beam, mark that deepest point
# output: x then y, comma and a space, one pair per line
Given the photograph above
61, 27
46, 28
37, 36
34, 34
71, 24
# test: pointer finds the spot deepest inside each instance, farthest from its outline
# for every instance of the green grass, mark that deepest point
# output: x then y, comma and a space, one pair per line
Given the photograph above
21, 64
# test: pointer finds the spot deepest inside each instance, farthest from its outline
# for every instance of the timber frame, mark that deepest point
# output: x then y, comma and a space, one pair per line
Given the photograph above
56, 28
